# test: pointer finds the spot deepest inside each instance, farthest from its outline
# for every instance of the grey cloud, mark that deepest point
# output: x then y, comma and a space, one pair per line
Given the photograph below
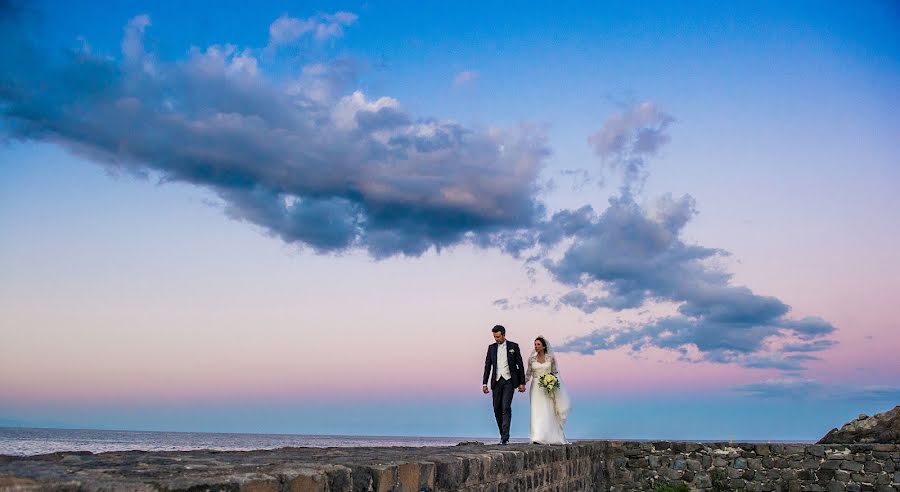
635, 257
309, 166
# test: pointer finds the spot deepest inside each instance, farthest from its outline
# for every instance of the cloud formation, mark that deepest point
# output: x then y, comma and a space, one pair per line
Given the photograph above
627, 139
318, 163
300, 159
637, 256
286, 30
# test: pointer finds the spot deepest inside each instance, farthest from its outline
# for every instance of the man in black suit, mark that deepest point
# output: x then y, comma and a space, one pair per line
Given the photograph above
503, 365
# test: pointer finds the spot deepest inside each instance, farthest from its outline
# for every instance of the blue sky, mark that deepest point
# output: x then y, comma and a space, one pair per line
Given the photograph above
200, 213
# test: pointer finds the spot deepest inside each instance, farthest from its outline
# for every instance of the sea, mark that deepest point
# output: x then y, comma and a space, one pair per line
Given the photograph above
21, 441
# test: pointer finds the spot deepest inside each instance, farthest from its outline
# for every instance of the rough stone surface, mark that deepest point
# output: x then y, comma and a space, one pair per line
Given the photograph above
879, 428
582, 466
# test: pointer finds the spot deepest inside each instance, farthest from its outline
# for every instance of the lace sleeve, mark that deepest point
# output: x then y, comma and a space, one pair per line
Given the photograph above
553, 367
528, 369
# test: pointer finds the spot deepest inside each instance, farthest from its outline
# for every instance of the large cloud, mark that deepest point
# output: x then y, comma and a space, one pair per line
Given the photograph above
635, 256
308, 162
316, 163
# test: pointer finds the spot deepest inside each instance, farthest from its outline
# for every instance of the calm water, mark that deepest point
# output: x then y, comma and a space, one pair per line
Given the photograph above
24, 441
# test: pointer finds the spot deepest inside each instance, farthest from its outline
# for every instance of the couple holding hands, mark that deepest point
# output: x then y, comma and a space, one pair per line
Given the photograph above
505, 372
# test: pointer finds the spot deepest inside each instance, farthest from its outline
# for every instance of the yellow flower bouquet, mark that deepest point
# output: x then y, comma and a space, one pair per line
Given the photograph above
549, 382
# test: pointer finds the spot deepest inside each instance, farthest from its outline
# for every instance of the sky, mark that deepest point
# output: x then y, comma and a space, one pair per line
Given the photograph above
306, 217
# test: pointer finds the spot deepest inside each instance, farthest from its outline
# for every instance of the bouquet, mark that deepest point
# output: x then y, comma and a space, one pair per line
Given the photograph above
549, 382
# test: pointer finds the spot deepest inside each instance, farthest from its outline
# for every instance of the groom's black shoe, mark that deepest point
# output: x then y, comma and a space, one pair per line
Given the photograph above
504, 443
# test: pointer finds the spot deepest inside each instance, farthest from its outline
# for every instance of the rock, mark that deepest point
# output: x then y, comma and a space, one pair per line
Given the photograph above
881, 428
470, 443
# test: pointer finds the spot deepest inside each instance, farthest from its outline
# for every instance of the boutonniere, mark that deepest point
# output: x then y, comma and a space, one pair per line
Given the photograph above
512, 350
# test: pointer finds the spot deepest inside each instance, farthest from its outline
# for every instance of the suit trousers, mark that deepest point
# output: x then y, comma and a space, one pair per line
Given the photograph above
503, 395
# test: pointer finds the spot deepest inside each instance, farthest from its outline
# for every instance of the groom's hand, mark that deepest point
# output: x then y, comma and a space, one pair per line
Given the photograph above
484, 389
521, 388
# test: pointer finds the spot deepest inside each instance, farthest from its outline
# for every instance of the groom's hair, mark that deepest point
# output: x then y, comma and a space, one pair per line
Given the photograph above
499, 328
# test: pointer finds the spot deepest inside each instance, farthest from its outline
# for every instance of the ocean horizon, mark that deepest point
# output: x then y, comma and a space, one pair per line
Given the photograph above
30, 441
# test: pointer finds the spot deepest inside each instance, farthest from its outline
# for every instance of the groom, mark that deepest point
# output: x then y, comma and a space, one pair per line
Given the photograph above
504, 366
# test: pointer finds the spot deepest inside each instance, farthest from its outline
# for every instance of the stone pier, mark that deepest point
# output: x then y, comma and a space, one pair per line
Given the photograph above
581, 466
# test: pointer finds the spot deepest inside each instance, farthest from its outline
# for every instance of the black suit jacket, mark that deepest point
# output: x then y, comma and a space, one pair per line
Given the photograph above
516, 366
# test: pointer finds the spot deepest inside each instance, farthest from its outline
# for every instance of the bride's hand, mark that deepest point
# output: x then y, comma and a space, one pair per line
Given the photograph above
521, 388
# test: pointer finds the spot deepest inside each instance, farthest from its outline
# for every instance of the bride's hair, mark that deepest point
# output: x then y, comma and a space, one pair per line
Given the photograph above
544, 343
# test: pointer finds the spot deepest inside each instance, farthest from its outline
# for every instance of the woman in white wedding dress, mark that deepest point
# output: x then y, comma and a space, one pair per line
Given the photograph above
548, 412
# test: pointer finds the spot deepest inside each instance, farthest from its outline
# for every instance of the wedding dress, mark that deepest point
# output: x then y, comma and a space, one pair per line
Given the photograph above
548, 412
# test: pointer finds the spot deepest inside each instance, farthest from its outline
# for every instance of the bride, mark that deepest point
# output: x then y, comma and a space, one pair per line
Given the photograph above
548, 411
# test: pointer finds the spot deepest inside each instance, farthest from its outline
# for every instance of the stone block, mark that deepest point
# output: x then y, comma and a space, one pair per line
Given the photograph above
810, 464
449, 474
691, 447
763, 449
816, 450
793, 449
834, 486
872, 467
853, 466
414, 477
309, 481
340, 478
257, 483
739, 463
702, 481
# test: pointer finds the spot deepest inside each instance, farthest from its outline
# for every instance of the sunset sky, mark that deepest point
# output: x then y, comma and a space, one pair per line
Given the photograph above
305, 217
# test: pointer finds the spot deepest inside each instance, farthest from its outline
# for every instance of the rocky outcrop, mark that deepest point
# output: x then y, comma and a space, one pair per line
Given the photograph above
881, 428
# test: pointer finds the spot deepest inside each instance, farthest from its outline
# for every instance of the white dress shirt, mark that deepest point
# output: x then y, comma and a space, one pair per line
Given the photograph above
502, 362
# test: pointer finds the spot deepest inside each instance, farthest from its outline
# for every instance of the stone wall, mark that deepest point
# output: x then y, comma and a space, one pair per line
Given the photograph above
575, 467
582, 466
753, 467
